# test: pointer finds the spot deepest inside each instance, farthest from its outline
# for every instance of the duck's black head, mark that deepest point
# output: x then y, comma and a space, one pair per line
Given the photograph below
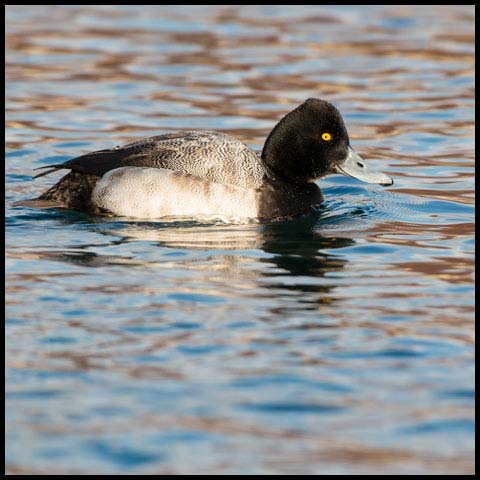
312, 141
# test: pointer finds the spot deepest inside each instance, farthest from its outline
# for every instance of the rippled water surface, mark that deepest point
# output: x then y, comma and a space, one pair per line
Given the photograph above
338, 343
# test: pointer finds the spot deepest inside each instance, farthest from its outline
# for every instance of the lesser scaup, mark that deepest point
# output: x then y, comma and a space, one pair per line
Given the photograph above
198, 173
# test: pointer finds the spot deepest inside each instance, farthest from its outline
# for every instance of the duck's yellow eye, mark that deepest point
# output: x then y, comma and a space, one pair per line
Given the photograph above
326, 136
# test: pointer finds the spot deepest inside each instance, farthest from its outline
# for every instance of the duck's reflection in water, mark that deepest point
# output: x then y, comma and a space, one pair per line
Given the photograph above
289, 257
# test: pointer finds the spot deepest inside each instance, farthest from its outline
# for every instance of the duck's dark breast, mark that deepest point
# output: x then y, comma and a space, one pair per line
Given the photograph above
281, 200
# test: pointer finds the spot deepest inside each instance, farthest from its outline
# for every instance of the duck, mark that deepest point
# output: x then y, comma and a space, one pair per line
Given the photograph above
209, 173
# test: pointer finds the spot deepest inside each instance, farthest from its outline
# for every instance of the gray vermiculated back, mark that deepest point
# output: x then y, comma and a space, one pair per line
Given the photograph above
215, 156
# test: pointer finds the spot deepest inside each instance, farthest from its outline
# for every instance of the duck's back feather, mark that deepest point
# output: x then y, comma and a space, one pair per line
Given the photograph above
210, 155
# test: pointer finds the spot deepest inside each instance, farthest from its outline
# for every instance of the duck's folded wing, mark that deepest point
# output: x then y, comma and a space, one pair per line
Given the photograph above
99, 162
207, 154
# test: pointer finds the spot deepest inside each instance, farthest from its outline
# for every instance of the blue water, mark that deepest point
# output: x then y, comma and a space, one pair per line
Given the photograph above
340, 343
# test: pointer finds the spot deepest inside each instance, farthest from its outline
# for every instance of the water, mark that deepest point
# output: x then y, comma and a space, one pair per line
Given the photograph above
338, 343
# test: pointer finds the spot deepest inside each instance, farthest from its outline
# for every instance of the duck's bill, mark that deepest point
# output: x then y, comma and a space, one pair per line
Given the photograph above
354, 166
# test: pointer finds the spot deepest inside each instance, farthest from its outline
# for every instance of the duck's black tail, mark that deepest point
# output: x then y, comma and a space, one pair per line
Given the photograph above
73, 191
51, 168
